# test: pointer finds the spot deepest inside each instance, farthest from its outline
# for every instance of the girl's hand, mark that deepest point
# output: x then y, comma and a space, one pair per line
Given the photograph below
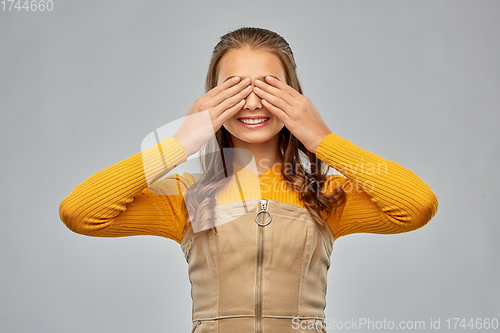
295, 110
210, 111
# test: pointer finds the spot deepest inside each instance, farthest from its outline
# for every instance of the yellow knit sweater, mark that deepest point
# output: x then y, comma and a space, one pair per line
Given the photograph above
381, 196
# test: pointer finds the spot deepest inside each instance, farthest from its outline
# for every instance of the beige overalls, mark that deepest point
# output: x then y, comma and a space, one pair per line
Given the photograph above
264, 271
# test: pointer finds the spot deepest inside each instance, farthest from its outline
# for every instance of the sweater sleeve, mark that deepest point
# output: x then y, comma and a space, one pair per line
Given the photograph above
117, 201
381, 196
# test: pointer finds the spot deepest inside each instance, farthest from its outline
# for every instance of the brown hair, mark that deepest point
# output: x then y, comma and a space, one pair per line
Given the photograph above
200, 197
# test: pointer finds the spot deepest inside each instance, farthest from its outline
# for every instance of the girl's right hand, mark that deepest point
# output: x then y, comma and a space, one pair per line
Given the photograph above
210, 111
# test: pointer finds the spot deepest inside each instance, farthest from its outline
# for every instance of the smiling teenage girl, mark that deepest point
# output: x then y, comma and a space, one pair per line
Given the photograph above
262, 268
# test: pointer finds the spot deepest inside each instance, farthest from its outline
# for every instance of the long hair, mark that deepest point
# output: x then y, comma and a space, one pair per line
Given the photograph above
308, 180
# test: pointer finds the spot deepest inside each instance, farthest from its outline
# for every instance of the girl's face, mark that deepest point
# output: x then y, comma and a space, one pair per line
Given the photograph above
252, 64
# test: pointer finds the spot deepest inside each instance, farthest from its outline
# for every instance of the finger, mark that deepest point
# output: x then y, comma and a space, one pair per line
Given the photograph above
281, 85
227, 93
232, 101
283, 116
282, 94
272, 83
273, 99
223, 86
229, 113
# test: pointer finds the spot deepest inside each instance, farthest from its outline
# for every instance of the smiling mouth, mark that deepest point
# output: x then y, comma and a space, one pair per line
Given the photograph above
253, 121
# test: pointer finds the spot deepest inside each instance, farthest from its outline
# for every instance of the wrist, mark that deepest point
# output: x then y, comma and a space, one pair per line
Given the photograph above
320, 140
184, 145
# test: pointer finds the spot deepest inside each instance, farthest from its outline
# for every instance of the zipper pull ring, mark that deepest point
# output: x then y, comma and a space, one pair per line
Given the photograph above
263, 209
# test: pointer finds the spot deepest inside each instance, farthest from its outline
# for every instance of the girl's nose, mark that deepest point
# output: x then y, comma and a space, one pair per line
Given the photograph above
253, 101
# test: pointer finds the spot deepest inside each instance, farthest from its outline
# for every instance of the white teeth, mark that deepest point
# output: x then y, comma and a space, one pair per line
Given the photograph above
253, 121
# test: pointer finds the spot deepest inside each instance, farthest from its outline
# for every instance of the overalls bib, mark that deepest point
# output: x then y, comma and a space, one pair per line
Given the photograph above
264, 271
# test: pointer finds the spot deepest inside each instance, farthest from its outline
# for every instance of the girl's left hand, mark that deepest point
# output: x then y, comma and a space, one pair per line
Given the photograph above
295, 110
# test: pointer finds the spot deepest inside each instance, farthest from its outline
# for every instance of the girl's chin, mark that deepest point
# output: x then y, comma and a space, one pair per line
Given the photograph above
255, 138
251, 135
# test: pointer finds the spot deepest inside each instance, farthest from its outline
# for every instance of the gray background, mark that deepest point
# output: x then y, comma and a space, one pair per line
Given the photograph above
416, 82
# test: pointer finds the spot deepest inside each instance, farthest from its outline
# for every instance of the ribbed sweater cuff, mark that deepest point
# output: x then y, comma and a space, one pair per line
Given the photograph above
334, 150
161, 158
